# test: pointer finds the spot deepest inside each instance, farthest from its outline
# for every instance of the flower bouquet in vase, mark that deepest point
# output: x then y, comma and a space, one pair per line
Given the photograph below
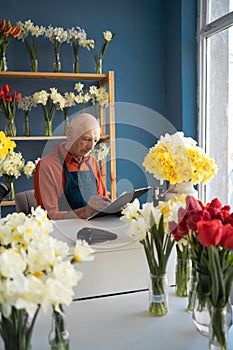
201, 225
50, 102
30, 34
26, 103
57, 36
11, 168
76, 37
7, 32
32, 266
157, 246
8, 108
108, 36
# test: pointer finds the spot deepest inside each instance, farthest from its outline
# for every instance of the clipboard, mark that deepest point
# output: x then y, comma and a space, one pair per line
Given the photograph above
116, 206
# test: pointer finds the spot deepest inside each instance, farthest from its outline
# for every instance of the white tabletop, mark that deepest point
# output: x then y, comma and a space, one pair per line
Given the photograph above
67, 230
122, 322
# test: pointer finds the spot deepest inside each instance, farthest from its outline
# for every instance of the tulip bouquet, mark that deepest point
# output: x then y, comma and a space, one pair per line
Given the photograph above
36, 273
7, 32
8, 107
209, 231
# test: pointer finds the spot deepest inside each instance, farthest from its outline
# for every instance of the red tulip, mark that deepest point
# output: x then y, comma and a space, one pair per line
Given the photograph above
17, 96
214, 207
227, 237
2, 24
209, 232
6, 88
8, 98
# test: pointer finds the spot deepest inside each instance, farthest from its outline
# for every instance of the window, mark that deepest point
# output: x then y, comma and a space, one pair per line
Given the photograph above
215, 126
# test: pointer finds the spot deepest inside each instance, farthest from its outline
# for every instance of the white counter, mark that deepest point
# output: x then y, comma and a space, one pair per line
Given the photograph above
119, 266
123, 323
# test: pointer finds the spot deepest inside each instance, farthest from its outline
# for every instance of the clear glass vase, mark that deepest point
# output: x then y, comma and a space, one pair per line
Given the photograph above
34, 64
59, 338
3, 60
76, 67
98, 67
183, 274
10, 127
218, 328
57, 63
26, 126
202, 309
10, 182
48, 127
158, 295
192, 288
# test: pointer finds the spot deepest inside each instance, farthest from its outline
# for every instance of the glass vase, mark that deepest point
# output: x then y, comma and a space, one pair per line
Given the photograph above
34, 64
3, 60
98, 67
202, 312
59, 338
26, 126
66, 118
76, 67
48, 127
10, 182
17, 329
192, 288
183, 274
158, 295
201, 316
10, 127
57, 63
218, 328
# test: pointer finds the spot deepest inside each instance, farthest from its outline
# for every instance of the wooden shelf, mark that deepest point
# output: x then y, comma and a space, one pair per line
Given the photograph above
44, 138
7, 203
53, 76
37, 138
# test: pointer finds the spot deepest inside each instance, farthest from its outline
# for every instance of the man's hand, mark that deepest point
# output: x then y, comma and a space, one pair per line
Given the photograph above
95, 204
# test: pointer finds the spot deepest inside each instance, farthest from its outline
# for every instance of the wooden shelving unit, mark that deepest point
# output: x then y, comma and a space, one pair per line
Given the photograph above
103, 80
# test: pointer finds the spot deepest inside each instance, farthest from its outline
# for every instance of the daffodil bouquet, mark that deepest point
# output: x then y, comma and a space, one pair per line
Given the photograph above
33, 268
30, 34
50, 102
149, 225
108, 36
177, 159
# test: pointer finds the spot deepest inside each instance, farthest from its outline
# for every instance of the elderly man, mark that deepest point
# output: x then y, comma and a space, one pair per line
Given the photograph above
67, 182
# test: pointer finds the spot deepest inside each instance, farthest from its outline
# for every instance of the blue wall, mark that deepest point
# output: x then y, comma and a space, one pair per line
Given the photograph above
153, 56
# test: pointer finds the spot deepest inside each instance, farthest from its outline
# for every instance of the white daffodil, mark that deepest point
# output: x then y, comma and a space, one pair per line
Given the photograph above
83, 252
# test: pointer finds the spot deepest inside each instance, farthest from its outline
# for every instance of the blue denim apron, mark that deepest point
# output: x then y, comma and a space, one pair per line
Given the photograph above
79, 187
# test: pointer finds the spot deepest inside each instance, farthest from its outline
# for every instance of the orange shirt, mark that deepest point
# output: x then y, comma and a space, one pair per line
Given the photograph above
49, 180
